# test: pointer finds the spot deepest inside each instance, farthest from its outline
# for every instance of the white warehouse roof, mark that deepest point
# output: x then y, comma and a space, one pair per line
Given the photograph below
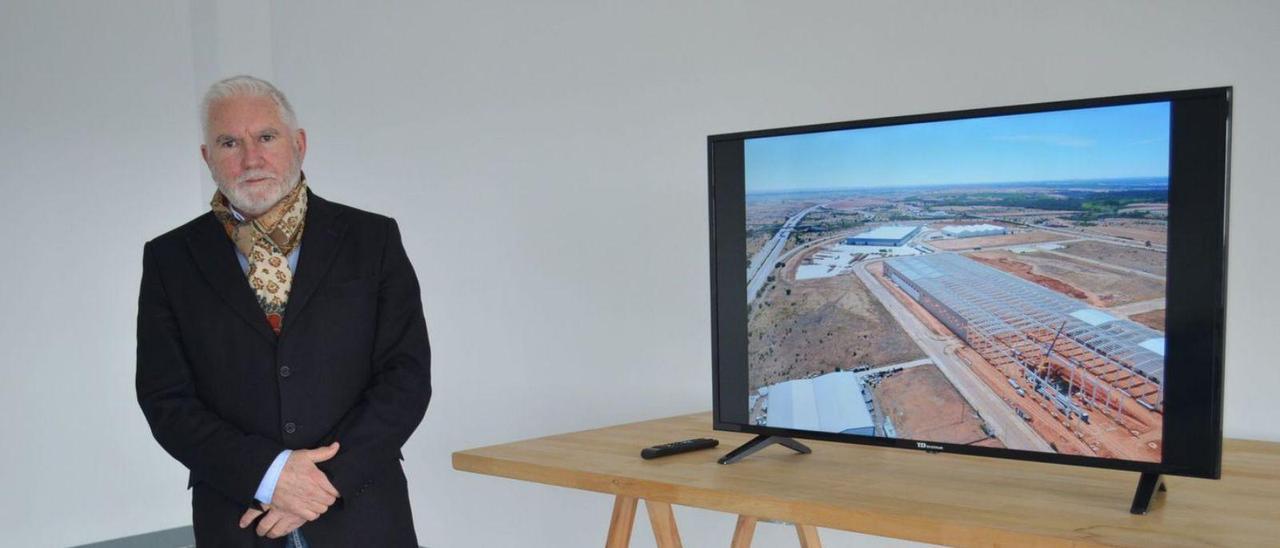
888, 233
960, 231
1093, 317
829, 403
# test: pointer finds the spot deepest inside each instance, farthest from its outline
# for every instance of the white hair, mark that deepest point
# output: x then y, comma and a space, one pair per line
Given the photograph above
246, 86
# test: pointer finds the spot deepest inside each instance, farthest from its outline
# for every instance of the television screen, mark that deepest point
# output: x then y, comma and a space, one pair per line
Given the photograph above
1041, 281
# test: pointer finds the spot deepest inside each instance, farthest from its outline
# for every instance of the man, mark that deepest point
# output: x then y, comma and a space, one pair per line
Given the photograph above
282, 349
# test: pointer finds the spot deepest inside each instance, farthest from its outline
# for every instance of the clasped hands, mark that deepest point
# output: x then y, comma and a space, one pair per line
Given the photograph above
302, 494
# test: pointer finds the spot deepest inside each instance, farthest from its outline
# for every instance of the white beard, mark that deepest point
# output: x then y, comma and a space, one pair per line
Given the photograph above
257, 199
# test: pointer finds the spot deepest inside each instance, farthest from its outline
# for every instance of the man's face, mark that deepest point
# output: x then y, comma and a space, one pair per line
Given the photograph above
252, 154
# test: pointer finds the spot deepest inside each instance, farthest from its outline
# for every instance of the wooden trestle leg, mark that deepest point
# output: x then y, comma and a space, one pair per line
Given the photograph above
743, 533
663, 521
661, 518
808, 536
624, 516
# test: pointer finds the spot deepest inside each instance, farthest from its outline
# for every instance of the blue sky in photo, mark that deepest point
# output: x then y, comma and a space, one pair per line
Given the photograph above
1095, 143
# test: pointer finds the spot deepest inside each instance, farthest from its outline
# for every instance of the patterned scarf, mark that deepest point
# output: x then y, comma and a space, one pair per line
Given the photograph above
266, 242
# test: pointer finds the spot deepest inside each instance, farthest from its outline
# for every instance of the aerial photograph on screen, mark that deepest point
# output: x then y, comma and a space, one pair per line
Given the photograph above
995, 281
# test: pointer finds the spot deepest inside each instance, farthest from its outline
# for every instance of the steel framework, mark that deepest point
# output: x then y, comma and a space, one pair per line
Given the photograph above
1002, 315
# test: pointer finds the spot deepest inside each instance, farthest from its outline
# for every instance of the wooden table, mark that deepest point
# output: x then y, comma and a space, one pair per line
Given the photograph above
938, 498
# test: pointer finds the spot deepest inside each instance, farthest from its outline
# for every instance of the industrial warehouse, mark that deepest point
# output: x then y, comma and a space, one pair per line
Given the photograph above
1063, 347
972, 231
834, 402
888, 236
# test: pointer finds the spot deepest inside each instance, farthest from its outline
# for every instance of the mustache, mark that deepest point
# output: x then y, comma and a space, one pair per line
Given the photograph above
255, 174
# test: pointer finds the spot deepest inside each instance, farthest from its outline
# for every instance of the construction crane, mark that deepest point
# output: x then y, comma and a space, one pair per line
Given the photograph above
1044, 369
1064, 401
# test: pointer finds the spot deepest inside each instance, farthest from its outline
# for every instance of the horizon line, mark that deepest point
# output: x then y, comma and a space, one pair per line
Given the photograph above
917, 185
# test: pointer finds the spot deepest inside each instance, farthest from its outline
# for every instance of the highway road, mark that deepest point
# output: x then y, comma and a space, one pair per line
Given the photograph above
1011, 430
762, 263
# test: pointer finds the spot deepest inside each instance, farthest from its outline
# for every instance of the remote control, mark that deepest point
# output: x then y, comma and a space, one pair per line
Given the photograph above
677, 447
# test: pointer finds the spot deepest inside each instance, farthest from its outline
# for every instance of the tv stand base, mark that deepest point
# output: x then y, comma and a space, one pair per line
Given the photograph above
760, 442
1148, 485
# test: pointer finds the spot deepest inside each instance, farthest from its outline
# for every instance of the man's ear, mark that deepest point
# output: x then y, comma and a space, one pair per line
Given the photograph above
204, 153
300, 140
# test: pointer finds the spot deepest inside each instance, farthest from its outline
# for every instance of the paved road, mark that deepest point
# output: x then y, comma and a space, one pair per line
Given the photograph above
1008, 427
762, 263
801, 248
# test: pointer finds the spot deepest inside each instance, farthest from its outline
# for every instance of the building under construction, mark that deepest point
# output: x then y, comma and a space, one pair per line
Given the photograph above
1069, 352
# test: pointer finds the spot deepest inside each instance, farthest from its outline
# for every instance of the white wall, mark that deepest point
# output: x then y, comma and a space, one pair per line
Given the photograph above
98, 152
547, 164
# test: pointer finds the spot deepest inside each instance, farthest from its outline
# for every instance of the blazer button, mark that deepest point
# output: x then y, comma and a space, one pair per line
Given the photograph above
290, 428
285, 371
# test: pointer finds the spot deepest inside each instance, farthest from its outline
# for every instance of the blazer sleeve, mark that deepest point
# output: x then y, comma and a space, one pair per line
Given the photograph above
218, 453
371, 433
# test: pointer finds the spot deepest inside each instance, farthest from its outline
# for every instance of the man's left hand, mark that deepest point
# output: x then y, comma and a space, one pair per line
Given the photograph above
276, 524
251, 514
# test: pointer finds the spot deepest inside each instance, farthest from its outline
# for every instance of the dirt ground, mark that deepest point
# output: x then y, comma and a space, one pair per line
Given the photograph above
1017, 238
923, 405
1152, 262
939, 225
1138, 230
1153, 319
754, 243
1008, 262
769, 211
822, 324
1092, 284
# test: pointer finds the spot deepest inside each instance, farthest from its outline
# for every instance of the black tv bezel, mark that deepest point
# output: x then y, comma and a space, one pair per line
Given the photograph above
1199, 175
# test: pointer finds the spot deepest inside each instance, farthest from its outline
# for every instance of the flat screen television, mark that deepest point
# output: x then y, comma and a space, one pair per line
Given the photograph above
1041, 282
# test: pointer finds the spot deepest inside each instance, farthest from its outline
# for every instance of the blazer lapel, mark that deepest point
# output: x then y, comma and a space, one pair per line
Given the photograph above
320, 240
215, 255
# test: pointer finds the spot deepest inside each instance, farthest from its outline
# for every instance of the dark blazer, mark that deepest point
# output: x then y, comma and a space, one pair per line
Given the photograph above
224, 395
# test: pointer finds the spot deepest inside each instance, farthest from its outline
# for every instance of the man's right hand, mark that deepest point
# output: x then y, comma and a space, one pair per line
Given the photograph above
303, 489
